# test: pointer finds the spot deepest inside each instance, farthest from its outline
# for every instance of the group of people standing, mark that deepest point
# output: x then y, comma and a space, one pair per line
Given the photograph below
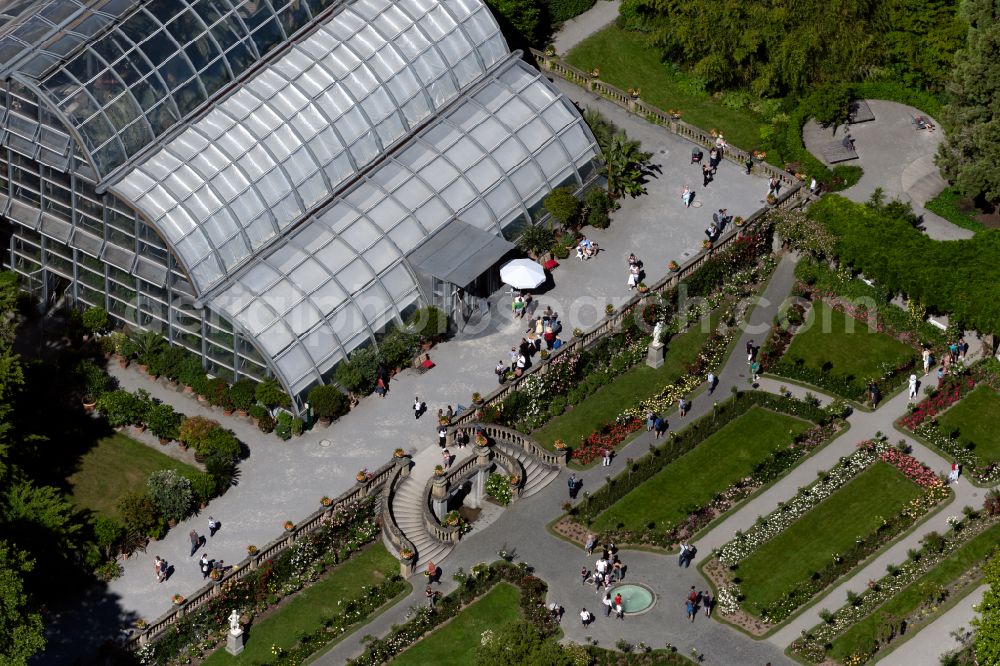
608, 569
635, 272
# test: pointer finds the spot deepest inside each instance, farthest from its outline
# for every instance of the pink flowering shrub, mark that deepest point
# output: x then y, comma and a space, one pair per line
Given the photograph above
912, 468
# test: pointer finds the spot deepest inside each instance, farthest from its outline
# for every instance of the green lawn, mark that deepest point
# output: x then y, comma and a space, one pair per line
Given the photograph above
456, 642
864, 632
698, 476
305, 612
857, 354
626, 61
977, 418
948, 205
114, 466
637, 384
856, 509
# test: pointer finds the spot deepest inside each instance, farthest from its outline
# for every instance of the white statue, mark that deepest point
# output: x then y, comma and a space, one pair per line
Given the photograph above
234, 623
657, 332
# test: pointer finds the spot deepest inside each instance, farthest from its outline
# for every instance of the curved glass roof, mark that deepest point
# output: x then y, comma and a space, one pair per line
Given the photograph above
334, 103
124, 72
342, 275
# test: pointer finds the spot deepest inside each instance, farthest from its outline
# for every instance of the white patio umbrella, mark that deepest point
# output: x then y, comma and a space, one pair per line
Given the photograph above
522, 274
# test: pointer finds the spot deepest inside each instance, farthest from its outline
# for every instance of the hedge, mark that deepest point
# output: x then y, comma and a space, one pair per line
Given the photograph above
959, 277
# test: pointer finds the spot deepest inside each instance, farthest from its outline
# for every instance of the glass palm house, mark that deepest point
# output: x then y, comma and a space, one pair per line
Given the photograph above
270, 183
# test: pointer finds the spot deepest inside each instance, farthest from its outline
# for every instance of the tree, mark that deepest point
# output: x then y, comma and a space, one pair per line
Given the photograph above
524, 16
21, 630
970, 155
270, 394
519, 643
564, 206
95, 319
987, 625
171, 492
625, 166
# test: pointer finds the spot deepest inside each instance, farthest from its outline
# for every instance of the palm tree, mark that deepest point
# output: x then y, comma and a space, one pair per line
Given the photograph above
625, 166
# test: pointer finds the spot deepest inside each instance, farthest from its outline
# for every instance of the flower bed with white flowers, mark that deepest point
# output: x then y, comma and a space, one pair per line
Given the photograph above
973, 535
724, 567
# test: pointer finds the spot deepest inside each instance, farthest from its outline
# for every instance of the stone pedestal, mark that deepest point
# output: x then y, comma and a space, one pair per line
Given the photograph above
654, 356
439, 498
235, 642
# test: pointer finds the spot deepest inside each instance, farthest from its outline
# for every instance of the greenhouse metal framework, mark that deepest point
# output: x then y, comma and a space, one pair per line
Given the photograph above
250, 179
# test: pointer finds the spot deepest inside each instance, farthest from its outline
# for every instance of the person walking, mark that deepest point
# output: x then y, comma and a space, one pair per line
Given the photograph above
956, 469
706, 603
659, 427
573, 486
160, 569
607, 601
431, 596
607, 457
205, 565
682, 406
442, 432
586, 617
619, 607
912, 387
711, 382
500, 371
213, 526
446, 458
591, 542
754, 372
750, 352
683, 555
689, 605
616, 571
418, 407
195, 542
686, 196
706, 174
650, 420
584, 575
748, 163
926, 355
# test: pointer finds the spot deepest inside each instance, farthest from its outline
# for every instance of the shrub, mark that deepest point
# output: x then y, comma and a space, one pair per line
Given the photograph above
148, 345
108, 535
498, 488
194, 431
218, 394
203, 487
189, 371
171, 492
221, 443
559, 251
168, 362
266, 424
95, 319
92, 379
357, 373
139, 512
270, 394
430, 323
564, 207
598, 205
257, 411
163, 421
328, 402
564, 10
396, 349
120, 408
243, 394
283, 428
536, 239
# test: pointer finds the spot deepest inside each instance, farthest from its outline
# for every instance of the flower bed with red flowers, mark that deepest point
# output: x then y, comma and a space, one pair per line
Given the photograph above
951, 391
912, 468
606, 438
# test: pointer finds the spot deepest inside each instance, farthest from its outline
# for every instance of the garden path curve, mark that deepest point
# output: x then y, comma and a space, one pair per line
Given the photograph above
896, 157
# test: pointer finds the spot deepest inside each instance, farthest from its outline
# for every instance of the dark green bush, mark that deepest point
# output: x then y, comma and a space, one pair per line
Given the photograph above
564, 10
328, 402
359, 372
430, 323
243, 394
95, 319
270, 394
163, 421
121, 408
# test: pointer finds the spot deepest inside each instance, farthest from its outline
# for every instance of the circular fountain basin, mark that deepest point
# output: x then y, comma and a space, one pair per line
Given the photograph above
635, 598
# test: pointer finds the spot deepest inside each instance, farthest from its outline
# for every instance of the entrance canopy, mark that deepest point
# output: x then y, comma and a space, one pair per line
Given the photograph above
459, 253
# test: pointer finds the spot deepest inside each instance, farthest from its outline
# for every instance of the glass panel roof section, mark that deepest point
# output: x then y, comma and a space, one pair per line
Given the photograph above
295, 132
342, 274
138, 68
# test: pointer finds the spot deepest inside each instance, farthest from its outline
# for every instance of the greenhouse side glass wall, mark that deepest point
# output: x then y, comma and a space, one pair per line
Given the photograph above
248, 178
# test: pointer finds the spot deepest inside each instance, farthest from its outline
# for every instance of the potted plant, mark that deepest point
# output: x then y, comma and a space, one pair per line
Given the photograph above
634, 92
514, 480
550, 50
438, 470
673, 266
252, 550
443, 420
481, 439
477, 399
328, 403
595, 72
141, 624
609, 309
325, 501
398, 453
739, 221
289, 526
578, 332
242, 395
215, 575
771, 199
707, 244
177, 600
675, 114
559, 445
406, 553
544, 354
362, 475
452, 518
642, 287
759, 155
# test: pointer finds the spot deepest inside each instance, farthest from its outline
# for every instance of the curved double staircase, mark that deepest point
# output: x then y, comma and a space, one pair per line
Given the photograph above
409, 522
